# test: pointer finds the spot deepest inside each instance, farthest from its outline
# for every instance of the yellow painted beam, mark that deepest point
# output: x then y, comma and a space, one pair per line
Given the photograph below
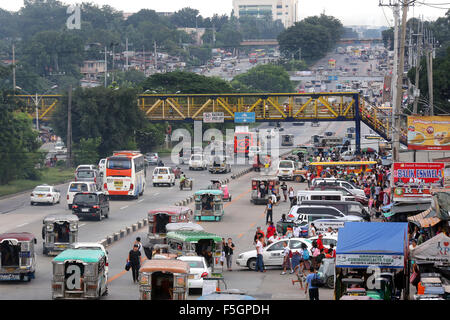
226, 106
201, 108
276, 106
254, 105
48, 109
154, 106
325, 103
172, 103
303, 107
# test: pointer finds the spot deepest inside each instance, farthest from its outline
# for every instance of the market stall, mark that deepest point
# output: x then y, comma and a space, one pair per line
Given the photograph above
371, 259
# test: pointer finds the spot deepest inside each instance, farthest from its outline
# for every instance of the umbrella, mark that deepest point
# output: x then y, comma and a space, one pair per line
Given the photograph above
368, 150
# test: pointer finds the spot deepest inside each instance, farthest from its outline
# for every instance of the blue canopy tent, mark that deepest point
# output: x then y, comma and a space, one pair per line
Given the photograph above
378, 244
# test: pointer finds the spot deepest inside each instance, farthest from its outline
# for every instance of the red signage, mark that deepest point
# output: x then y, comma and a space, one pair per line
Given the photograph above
418, 174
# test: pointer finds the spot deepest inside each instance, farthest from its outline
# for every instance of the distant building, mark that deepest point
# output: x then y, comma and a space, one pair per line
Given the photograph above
92, 69
197, 33
126, 15
284, 10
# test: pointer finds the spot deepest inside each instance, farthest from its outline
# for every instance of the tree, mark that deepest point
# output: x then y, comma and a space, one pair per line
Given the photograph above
187, 18
266, 78
86, 150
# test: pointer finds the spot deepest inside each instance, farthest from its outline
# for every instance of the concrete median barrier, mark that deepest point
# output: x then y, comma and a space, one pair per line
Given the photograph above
116, 236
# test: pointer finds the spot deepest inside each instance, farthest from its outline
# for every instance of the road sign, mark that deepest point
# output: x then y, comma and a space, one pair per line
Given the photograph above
213, 117
244, 117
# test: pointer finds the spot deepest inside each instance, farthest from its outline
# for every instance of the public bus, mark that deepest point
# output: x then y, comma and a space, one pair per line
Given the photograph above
346, 166
125, 174
253, 57
243, 141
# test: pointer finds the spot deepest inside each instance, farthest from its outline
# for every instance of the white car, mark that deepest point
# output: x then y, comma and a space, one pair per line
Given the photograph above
59, 147
197, 161
198, 270
253, 151
93, 246
342, 183
85, 167
163, 175
272, 254
348, 155
45, 194
102, 165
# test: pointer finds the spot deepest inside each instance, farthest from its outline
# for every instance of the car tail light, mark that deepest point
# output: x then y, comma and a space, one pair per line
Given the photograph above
74, 206
96, 207
254, 185
67, 197
49, 195
95, 180
107, 264
204, 274
105, 186
75, 178
290, 215
131, 186
32, 194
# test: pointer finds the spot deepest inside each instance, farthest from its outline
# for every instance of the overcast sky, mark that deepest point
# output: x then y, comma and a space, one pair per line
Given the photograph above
350, 12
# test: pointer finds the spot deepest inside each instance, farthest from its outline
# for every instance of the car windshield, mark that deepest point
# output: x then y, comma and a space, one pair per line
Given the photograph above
85, 198
119, 164
163, 171
354, 208
78, 187
59, 144
42, 189
85, 174
196, 158
286, 164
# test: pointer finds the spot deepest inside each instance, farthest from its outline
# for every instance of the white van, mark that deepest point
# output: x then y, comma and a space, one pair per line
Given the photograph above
163, 175
319, 195
286, 170
79, 186
342, 183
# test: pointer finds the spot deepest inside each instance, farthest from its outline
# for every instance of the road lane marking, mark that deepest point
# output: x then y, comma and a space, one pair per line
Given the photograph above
83, 224
155, 194
140, 200
124, 207
122, 272
240, 235
238, 197
252, 224
23, 224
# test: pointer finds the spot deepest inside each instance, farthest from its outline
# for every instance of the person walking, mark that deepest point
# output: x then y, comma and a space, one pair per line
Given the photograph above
138, 242
259, 256
286, 258
229, 247
270, 230
134, 259
284, 188
311, 284
291, 195
268, 211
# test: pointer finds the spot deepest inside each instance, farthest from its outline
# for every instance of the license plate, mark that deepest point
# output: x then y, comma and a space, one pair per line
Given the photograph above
191, 276
61, 246
40, 195
84, 210
118, 183
160, 177
9, 277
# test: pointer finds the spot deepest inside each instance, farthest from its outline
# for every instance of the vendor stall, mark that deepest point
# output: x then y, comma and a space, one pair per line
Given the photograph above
371, 260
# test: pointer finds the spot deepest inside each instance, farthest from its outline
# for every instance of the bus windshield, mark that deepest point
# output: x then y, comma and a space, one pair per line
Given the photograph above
286, 164
119, 164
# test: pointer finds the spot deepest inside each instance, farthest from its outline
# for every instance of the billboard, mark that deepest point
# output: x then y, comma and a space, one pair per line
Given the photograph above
429, 133
414, 180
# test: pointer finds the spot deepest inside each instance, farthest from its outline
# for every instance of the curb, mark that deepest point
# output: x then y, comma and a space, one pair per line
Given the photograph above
116, 236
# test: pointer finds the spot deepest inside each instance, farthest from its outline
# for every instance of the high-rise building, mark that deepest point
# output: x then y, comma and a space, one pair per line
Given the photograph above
284, 10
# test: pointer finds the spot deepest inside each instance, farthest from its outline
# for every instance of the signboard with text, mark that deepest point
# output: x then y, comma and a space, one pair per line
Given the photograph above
213, 117
244, 117
429, 133
366, 260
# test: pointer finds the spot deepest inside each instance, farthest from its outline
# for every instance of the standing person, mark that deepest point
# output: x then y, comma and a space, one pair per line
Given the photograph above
134, 258
311, 286
258, 233
286, 258
259, 256
284, 188
271, 230
229, 247
268, 211
312, 230
222, 257
291, 195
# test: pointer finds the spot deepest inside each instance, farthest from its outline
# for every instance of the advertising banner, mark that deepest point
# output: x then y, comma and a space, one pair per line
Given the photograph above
429, 133
366, 260
213, 117
415, 180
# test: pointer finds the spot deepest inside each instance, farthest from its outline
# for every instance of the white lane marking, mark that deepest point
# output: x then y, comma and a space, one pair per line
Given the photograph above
83, 224
23, 224
123, 207
155, 194
140, 200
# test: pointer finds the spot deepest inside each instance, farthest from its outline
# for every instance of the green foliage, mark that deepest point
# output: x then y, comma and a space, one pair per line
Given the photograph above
86, 150
266, 78
185, 82
315, 36
293, 65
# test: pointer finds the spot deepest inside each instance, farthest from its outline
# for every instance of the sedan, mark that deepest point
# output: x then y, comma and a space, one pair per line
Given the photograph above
45, 194
272, 254
152, 158
198, 270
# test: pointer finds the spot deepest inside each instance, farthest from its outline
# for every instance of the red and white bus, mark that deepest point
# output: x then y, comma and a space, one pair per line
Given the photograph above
243, 141
125, 174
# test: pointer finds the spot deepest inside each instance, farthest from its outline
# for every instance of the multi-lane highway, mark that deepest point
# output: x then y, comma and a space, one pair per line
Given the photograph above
239, 223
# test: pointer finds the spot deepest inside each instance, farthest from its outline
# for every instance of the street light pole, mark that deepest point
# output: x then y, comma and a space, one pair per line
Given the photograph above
36, 103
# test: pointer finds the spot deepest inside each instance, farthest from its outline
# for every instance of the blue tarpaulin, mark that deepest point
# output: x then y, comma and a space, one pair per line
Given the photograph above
361, 244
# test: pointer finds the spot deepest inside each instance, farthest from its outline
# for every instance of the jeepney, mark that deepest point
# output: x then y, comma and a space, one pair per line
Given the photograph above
200, 243
159, 218
300, 174
163, 279
217, 185
59, 232
79, 274
262, 189
17, 256
208, 205
287, 139
219, 164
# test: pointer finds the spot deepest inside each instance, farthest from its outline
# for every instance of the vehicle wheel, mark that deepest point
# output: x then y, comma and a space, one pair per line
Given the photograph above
229, 199
298, 179
106, 292
100, 215
69, 206
107, 215
251, 264
44, 251
330, 282
154, 184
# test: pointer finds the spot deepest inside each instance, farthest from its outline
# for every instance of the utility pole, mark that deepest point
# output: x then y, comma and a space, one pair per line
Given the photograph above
112, 70
418, 56
394, 80
106, 67
429, 58
36, 104
156, 58
69, 129
14, 67
126, 54
400, 70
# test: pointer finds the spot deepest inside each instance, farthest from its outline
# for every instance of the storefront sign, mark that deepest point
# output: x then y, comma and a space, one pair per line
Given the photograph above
429, 133
213, 117
366, 260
